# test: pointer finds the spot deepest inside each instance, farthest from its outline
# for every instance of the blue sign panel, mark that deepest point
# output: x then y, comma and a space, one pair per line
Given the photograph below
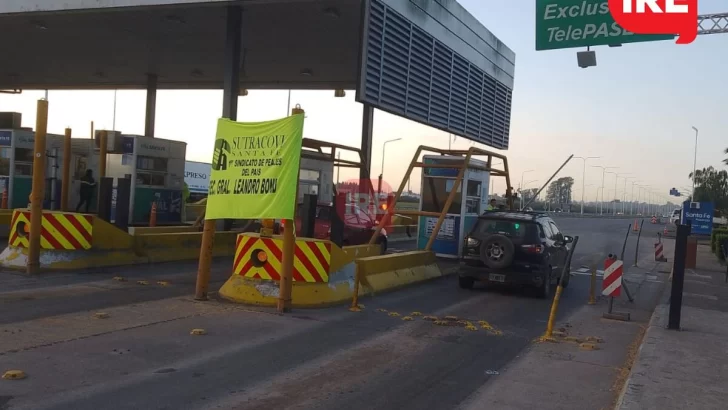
127, 145
5, 138
440, 172
700, 216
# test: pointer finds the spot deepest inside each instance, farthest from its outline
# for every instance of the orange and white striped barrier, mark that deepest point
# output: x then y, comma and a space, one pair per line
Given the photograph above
659, 252
612, 279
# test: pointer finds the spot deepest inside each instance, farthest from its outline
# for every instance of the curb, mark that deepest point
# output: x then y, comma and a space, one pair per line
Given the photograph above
663, 300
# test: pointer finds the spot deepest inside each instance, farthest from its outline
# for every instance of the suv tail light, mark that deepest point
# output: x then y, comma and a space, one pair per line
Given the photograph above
536, 249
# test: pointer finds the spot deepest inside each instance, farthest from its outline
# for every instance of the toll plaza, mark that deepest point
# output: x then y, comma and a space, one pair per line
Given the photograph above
429, 62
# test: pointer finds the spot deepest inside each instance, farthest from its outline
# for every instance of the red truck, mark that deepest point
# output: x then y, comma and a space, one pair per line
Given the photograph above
358, 225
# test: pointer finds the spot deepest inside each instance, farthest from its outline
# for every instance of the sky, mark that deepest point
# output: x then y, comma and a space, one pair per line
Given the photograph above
635, 110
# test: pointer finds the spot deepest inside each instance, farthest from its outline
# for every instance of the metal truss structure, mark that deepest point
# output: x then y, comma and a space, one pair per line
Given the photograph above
713, 23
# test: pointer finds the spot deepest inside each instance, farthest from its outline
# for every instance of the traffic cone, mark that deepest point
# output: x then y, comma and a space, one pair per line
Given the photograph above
153, 215
635, 227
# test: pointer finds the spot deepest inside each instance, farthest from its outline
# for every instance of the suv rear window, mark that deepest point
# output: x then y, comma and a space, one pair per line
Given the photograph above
511, 229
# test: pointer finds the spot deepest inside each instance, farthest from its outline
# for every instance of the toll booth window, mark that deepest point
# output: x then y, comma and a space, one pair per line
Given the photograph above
435, 193
23, 161
472, 200
309, 175
5, 161
152, 164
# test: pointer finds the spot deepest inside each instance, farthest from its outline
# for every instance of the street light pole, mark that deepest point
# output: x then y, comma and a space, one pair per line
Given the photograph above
624, 196
523, 174
381, 174
583, 179
695, 158
631, 203
604, 172
616, 179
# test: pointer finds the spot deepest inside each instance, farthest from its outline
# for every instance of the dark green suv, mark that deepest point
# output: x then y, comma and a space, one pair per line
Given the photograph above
515, 248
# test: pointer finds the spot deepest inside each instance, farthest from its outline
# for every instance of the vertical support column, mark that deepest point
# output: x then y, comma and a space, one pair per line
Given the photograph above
231, 89
151, 111
102, 153
66, 176
678, 276
38, 189
367, 131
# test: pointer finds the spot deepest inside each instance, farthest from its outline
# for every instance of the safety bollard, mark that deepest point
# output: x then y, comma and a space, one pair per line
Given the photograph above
593, 286
5, 197
153, 215
549, 335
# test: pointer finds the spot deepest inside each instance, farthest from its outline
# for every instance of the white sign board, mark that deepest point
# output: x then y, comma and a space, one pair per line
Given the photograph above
197, 176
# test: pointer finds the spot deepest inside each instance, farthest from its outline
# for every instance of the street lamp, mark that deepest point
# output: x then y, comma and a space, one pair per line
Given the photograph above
695, 157
631, 202
381, 174
604, 171
624, 195
523, 187
583, 179
524, 174
616, 178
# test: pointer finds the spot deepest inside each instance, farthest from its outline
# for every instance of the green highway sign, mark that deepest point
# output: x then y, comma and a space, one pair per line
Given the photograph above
581, 23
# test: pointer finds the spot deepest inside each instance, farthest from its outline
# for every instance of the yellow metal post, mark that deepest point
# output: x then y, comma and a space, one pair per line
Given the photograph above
66, 176
203, 267
38, 189
549, 335
289, 243
102, 154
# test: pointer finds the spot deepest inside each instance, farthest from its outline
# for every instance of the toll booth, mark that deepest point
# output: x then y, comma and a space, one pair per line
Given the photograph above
16, 167
316, 176
155, 168
471, 200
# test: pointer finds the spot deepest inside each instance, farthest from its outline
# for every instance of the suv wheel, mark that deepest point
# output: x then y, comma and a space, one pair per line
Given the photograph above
466, 282
497, 252
544, 291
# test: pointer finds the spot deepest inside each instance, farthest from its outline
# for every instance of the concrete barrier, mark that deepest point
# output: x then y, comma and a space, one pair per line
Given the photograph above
257, 283
71, 241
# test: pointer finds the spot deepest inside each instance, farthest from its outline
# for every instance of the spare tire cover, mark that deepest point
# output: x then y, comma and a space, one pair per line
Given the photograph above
497, 252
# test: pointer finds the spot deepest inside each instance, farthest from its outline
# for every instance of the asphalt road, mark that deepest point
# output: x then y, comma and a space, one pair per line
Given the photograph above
310, 359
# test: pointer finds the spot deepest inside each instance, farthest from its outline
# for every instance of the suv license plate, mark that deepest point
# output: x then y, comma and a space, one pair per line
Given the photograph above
497, 278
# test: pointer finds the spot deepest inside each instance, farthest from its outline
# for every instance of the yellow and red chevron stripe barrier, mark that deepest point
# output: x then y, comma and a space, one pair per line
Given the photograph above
261, 258
59, 230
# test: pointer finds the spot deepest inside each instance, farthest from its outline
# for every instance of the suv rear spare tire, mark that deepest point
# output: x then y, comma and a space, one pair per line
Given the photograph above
497, 252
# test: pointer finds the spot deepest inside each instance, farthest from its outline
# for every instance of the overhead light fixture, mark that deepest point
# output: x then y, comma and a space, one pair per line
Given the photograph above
306, 72
39, 25
243, 92
196, 73
332, 12
340, 93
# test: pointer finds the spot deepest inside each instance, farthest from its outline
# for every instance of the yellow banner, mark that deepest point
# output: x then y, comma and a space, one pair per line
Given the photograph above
255, 169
